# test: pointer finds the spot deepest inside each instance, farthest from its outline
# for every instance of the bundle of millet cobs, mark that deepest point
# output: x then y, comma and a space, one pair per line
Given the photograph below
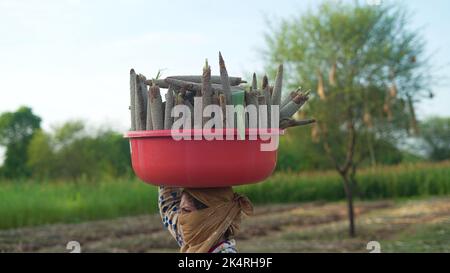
149, 112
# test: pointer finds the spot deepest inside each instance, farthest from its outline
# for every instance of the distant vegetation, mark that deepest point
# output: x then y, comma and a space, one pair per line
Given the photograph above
29, 203
402, 181
72, 152
69, 151
34, 203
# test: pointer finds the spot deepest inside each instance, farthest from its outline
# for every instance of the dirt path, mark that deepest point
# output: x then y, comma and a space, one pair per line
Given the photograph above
312, 227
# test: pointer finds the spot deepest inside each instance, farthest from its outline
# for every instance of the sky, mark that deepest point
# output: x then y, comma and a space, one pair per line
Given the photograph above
70, 59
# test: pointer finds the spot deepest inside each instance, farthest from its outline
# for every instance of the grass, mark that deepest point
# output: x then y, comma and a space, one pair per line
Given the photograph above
427, 238
406, 226
421, 225
403, 181
31, 203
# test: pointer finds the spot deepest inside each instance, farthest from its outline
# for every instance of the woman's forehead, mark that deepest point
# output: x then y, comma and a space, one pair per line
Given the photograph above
186, 196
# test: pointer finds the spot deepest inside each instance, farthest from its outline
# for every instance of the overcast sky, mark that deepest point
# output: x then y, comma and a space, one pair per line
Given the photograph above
70, 59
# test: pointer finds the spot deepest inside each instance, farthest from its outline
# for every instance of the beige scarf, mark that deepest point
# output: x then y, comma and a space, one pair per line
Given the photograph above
203, 228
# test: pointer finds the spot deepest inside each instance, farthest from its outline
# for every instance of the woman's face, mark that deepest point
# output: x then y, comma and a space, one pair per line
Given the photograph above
187, 203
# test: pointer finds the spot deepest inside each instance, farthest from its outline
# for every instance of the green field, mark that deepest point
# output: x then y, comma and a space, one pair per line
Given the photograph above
31, 203
403, 181
414, 225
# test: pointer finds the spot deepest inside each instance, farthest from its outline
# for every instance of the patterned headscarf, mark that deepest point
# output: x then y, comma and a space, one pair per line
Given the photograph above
203, 228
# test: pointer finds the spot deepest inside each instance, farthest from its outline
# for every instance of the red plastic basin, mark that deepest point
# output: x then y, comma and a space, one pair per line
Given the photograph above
158, 159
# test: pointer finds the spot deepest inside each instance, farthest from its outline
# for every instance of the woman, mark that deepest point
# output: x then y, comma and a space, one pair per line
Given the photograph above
203, 220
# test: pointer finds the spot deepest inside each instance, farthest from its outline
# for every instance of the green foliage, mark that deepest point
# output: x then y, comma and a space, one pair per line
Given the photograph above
379, 183
297, 152
27, 203
69, 132
16, 130
38, 203
386, 153
435, 132
41, 160
359, 53
70, 152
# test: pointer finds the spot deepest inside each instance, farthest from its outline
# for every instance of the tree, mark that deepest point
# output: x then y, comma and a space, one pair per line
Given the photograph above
295, 155
306, 154
16, 131
41, 156
69, 151
435, 133
366, 70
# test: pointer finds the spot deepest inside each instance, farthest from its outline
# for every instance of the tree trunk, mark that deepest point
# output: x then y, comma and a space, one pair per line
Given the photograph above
347, 172
348, 186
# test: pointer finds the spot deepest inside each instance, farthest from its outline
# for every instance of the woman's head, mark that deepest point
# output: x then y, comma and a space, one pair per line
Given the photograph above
207, 214
190, 204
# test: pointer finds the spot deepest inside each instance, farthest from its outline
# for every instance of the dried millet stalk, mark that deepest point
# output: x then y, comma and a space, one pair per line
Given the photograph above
170, 101
206, 90
133, 99
141, 100
294, 105
225, 80
156, 108
276, 96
